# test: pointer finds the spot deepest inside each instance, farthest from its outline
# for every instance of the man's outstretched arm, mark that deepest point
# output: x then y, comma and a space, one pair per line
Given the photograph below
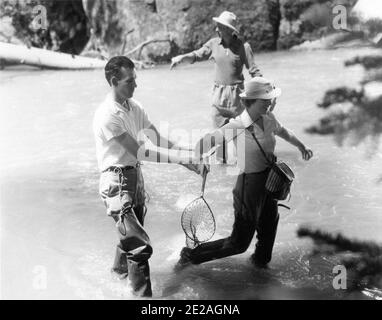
159, 156
157, 139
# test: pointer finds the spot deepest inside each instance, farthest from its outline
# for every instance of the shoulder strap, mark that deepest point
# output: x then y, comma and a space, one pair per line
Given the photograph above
260, 147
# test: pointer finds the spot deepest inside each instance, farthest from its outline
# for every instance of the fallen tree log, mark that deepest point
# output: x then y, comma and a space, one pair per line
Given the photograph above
140, 47
18, 54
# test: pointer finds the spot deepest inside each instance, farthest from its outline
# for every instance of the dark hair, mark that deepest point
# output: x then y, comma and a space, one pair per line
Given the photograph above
114, 65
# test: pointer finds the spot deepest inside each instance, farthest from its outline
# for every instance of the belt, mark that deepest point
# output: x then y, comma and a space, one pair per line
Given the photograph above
258, 172
232, 85
116, 169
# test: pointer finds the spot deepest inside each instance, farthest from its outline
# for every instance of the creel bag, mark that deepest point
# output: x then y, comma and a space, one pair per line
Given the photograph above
280, 176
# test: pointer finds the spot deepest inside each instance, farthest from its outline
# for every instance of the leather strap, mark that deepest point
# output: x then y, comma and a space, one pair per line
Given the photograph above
260, 147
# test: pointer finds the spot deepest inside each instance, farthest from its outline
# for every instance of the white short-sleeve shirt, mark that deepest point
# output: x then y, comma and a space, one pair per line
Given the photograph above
111, 120
250, 158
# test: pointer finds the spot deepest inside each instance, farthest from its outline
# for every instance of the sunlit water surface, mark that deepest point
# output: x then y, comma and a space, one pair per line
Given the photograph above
53, 222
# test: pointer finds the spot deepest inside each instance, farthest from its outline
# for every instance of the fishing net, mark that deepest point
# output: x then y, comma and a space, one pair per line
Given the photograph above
198, 222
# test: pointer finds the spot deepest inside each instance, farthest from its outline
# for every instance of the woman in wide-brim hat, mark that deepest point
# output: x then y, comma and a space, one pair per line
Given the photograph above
254, 209
230, 55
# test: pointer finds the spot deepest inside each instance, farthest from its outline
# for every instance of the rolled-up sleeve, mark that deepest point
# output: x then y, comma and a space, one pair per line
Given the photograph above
252, 67
277, 125
112, 127
145, 121
204, 52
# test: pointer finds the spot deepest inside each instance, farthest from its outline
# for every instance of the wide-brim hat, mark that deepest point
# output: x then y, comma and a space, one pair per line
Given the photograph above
227, 19
260, 88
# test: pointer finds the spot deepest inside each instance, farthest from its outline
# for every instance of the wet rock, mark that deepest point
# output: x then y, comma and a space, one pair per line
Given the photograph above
186, 23
116, 26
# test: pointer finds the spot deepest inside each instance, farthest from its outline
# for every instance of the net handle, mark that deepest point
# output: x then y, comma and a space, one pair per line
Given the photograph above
213, 150
204, 174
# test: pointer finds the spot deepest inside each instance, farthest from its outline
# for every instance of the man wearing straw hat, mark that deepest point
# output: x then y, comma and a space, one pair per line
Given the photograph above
255, 210
230, 54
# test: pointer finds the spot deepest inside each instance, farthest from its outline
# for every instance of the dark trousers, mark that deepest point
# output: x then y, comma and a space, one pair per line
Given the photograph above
123, 195
254, 211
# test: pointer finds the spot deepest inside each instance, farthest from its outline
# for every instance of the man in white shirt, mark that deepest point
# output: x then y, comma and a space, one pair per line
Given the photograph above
119, 127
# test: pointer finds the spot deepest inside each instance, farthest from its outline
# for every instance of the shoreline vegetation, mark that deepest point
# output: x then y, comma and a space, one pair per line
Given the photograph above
362, 258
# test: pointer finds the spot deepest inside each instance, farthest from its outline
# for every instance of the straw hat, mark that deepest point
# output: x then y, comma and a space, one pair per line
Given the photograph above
227, 19
260, 88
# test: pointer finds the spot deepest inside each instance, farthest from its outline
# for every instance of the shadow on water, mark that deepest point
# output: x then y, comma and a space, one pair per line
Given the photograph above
223, 281
294, 273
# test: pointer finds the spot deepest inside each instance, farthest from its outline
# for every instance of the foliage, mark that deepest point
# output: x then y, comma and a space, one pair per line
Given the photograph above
368, 62
363, 259
66, 24
307, 20
363, 119
293, 9
22, 16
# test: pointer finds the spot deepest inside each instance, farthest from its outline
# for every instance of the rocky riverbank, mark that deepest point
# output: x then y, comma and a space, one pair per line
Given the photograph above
113, 26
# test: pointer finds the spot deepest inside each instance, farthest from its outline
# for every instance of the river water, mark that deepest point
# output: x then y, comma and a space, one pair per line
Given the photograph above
57, 242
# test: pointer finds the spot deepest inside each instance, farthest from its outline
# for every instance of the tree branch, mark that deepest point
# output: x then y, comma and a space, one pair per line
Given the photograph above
140, 47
